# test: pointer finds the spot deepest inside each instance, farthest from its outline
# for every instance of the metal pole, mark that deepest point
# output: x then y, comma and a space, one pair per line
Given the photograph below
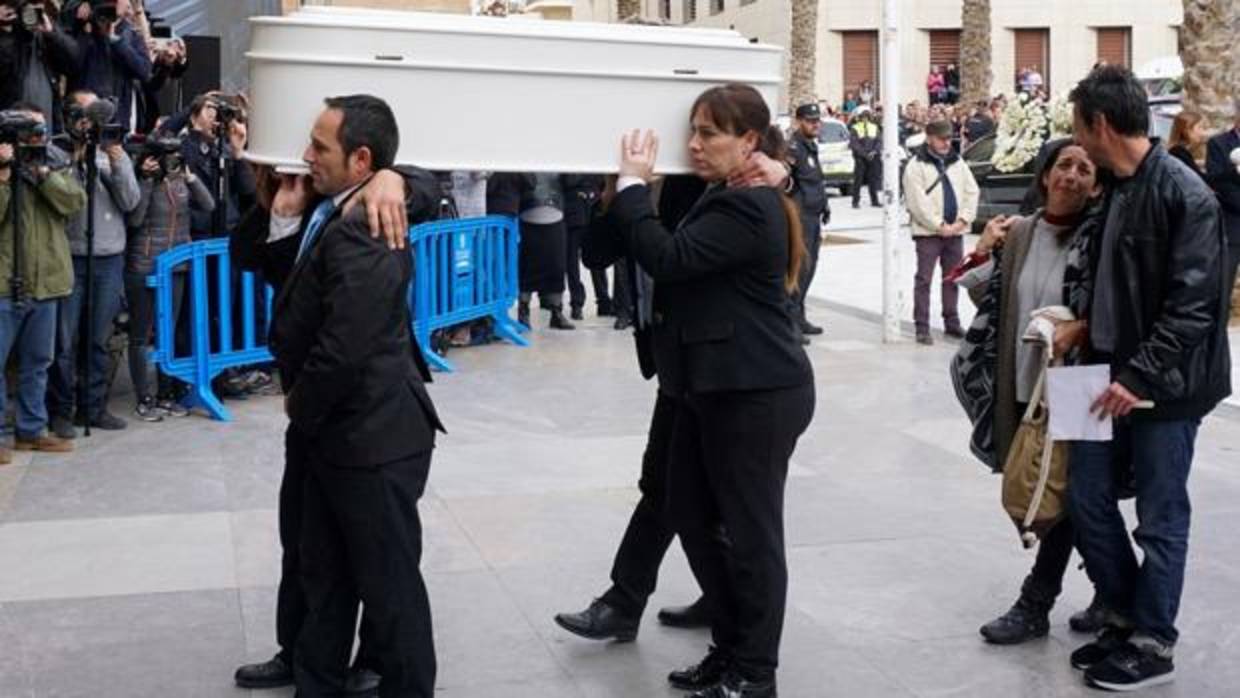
889, 82
86, 313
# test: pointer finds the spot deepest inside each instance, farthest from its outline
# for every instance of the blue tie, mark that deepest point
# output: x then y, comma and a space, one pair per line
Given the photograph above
321, 213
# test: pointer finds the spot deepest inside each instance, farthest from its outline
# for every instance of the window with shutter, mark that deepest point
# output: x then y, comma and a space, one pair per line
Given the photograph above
944, 47
1033, 50
690, 10
716, 7
860, 60
1115, 46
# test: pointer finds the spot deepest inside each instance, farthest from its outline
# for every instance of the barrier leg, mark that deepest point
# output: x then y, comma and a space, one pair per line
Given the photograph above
509, 329
200, 338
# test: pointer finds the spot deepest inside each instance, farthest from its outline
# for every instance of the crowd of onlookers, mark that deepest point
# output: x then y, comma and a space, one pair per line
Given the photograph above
82, 77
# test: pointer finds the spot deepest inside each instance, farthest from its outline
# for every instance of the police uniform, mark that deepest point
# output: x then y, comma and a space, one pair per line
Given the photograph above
809, 190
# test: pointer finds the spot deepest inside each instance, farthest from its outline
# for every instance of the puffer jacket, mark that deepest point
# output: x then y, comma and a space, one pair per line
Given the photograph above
162, 219
1171, 290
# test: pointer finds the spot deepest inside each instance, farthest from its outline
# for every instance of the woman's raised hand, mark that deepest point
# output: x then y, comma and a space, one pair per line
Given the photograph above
638, 152
995, 233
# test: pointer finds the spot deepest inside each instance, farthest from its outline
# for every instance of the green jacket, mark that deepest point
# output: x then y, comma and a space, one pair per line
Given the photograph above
47, 268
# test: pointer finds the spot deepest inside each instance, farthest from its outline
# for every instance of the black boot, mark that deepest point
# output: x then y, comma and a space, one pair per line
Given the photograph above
523, 312
576, 313
273, 673
1028, 618
735, 686
1091, 620
559, 322
601, 621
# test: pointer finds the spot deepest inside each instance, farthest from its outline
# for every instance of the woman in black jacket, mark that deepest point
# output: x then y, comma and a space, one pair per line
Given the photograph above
725, 344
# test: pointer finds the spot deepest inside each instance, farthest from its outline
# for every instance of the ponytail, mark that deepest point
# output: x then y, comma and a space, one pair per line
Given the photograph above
773, 145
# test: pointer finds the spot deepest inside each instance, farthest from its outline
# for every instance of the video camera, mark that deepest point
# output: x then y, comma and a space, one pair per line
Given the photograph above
103, 13
166, 151
17, 128
225, 110
98, 115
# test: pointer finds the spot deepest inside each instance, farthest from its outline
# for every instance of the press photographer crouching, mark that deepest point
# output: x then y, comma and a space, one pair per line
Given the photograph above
34, 55
38, 195
159, 223
98, 244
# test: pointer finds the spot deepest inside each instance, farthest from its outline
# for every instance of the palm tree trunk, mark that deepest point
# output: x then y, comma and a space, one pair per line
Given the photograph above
1209, 52
803, 53
975, 53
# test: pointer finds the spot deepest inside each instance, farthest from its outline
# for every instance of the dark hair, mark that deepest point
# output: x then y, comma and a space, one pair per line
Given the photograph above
368, 122
1053, 151
740, 109
1113, 92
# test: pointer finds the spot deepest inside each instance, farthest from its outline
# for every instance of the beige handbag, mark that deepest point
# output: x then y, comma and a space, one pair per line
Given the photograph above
1035, 474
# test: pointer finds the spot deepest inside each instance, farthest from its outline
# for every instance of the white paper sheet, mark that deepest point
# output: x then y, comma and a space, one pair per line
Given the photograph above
1070, 391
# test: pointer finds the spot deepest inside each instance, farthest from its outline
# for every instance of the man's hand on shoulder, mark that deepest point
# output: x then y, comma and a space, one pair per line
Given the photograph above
384, 200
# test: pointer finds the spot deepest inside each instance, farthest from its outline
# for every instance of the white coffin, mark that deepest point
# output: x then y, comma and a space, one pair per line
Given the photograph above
484, 93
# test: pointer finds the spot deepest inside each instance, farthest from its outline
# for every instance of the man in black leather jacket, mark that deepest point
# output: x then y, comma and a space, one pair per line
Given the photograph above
1159, 318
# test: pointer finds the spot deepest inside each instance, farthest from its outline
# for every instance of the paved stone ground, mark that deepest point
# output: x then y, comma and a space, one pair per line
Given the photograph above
144, 563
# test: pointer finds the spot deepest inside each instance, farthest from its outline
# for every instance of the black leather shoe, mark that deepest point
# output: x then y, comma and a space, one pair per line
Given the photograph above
810, 328
576, 313
955, 332
362, 683
623, 323
272, 673
601, 621
733, 686
709, 672
694, 615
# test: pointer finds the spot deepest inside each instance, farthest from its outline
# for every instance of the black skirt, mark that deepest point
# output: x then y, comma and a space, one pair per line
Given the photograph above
542, 258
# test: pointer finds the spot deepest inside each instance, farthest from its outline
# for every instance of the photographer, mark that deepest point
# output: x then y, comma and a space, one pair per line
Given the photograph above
113, 55
116, 194
35, 269
34, 54
160, 222
200, 148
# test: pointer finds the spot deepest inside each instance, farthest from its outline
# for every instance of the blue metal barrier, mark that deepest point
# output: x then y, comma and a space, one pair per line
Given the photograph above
201, 365
464, 270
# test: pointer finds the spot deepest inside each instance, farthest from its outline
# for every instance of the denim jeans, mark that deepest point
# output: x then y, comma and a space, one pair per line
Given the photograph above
1161, 453
105, 302
30, 329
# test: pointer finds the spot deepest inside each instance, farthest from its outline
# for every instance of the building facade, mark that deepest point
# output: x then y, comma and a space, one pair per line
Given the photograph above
1062, 39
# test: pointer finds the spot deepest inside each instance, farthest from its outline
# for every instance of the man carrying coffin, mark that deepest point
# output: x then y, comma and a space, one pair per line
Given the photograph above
354, 393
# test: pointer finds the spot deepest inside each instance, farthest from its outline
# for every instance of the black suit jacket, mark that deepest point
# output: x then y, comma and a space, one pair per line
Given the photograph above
721, 312
342, 338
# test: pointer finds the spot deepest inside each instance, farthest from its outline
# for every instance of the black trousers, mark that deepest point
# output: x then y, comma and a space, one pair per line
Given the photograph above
602, 295
290, 599
867, 173
635, 571
1054, 552
622, 294
731, 453
362, 542
572, 269
812, 226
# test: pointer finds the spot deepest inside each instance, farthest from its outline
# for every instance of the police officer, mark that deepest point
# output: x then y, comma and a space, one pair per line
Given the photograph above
810, 193
867, 149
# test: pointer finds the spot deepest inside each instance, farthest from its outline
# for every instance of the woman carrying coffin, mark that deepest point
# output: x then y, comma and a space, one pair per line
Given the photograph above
726, 345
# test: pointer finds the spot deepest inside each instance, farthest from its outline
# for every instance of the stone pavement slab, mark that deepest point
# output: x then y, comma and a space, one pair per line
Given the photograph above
145, 563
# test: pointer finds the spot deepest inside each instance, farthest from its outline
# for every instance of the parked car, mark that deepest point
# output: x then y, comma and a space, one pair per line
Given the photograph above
835, 157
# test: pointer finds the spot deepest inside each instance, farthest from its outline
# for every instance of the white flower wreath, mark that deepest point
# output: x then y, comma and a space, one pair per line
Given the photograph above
1022, 131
